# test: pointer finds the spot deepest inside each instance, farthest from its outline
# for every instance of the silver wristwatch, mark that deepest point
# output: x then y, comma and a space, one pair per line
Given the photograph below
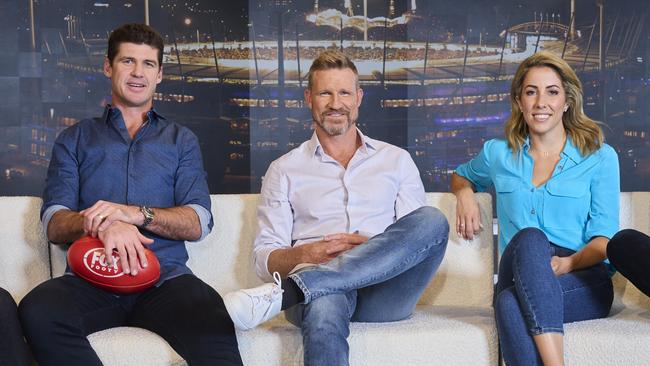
148, 215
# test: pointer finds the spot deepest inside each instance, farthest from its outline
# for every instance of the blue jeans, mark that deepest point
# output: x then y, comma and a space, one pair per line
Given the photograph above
532, 300
378, 281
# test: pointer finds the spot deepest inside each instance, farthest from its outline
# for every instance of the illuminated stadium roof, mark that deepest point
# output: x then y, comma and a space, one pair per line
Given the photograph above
335, 19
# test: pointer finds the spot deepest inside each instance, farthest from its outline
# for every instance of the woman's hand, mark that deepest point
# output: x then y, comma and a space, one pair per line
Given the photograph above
468, 215
561, 265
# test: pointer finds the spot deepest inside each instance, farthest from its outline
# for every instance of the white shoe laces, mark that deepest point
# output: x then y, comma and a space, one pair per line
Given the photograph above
268, 297
277, 279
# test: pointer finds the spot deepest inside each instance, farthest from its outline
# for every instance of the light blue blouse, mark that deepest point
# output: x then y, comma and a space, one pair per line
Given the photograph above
579, 201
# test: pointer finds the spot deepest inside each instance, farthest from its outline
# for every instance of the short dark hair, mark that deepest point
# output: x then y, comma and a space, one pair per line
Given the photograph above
134, 33
331, 59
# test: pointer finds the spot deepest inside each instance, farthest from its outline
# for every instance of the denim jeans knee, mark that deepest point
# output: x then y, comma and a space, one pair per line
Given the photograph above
525, 264
413, 238
430, 221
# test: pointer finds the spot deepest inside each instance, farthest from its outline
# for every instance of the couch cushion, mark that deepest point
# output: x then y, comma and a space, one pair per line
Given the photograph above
27, 264
223, 259
465, 276
133, 346
440, 335
623, 337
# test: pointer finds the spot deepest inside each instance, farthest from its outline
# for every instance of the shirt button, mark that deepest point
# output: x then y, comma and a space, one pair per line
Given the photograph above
560, 167
532, 189
532, 212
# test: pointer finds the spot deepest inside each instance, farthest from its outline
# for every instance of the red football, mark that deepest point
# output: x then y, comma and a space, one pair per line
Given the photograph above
87, 260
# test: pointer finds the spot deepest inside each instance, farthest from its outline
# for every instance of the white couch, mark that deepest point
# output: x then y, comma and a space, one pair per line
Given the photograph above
623, 337
453, 325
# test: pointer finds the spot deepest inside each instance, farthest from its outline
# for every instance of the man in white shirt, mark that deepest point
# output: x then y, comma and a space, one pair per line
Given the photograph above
344, 231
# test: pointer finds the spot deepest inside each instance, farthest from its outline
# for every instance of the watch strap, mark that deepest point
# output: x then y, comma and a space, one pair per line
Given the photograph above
148, 214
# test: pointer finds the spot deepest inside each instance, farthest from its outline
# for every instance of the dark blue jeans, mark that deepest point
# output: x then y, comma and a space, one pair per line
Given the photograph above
532, 300
378, 281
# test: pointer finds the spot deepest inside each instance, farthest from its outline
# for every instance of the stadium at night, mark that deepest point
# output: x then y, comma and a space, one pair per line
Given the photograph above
437, 86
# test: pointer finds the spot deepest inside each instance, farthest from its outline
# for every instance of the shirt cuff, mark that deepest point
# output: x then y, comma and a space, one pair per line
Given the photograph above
47, 216
204, 219
262, 262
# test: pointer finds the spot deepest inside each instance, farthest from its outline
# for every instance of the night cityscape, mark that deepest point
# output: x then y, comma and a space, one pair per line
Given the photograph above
436, 75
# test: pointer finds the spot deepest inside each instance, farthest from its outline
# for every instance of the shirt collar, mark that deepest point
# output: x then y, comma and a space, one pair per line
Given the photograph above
111, 114
570, 150
368, 145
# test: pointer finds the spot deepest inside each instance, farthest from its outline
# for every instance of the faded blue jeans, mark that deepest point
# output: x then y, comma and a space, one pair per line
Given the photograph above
378, 281
532, 300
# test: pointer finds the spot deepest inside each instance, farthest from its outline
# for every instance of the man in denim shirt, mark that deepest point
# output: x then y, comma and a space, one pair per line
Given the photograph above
132, 178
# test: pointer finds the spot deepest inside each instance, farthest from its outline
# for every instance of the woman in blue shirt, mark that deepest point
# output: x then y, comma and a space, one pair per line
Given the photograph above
557, 188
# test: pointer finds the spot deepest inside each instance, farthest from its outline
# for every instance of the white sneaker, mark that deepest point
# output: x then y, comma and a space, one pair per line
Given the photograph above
249, 308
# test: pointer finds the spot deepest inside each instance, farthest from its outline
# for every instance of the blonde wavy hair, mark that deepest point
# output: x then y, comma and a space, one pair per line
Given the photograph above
331, 59
584, 132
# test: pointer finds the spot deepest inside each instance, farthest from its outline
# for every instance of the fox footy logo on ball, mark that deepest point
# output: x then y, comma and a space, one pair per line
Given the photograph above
95, 261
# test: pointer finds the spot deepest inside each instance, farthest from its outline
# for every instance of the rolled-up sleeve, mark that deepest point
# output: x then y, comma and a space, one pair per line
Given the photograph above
411, 190
605, 195
191, 186
275, 220
205, 218
477, 170
62, 184
48, 214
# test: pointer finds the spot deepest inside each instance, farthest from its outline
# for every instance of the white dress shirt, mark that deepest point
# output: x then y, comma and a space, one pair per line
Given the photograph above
306, 194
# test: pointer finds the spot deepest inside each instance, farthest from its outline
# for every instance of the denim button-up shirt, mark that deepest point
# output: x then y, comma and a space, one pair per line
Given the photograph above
96, 159
579, 201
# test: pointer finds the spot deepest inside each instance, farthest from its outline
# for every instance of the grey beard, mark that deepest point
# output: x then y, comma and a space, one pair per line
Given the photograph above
336, 130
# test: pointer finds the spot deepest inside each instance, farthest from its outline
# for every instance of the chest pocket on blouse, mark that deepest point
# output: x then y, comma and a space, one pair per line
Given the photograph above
506, 188
566, 206
505, 184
